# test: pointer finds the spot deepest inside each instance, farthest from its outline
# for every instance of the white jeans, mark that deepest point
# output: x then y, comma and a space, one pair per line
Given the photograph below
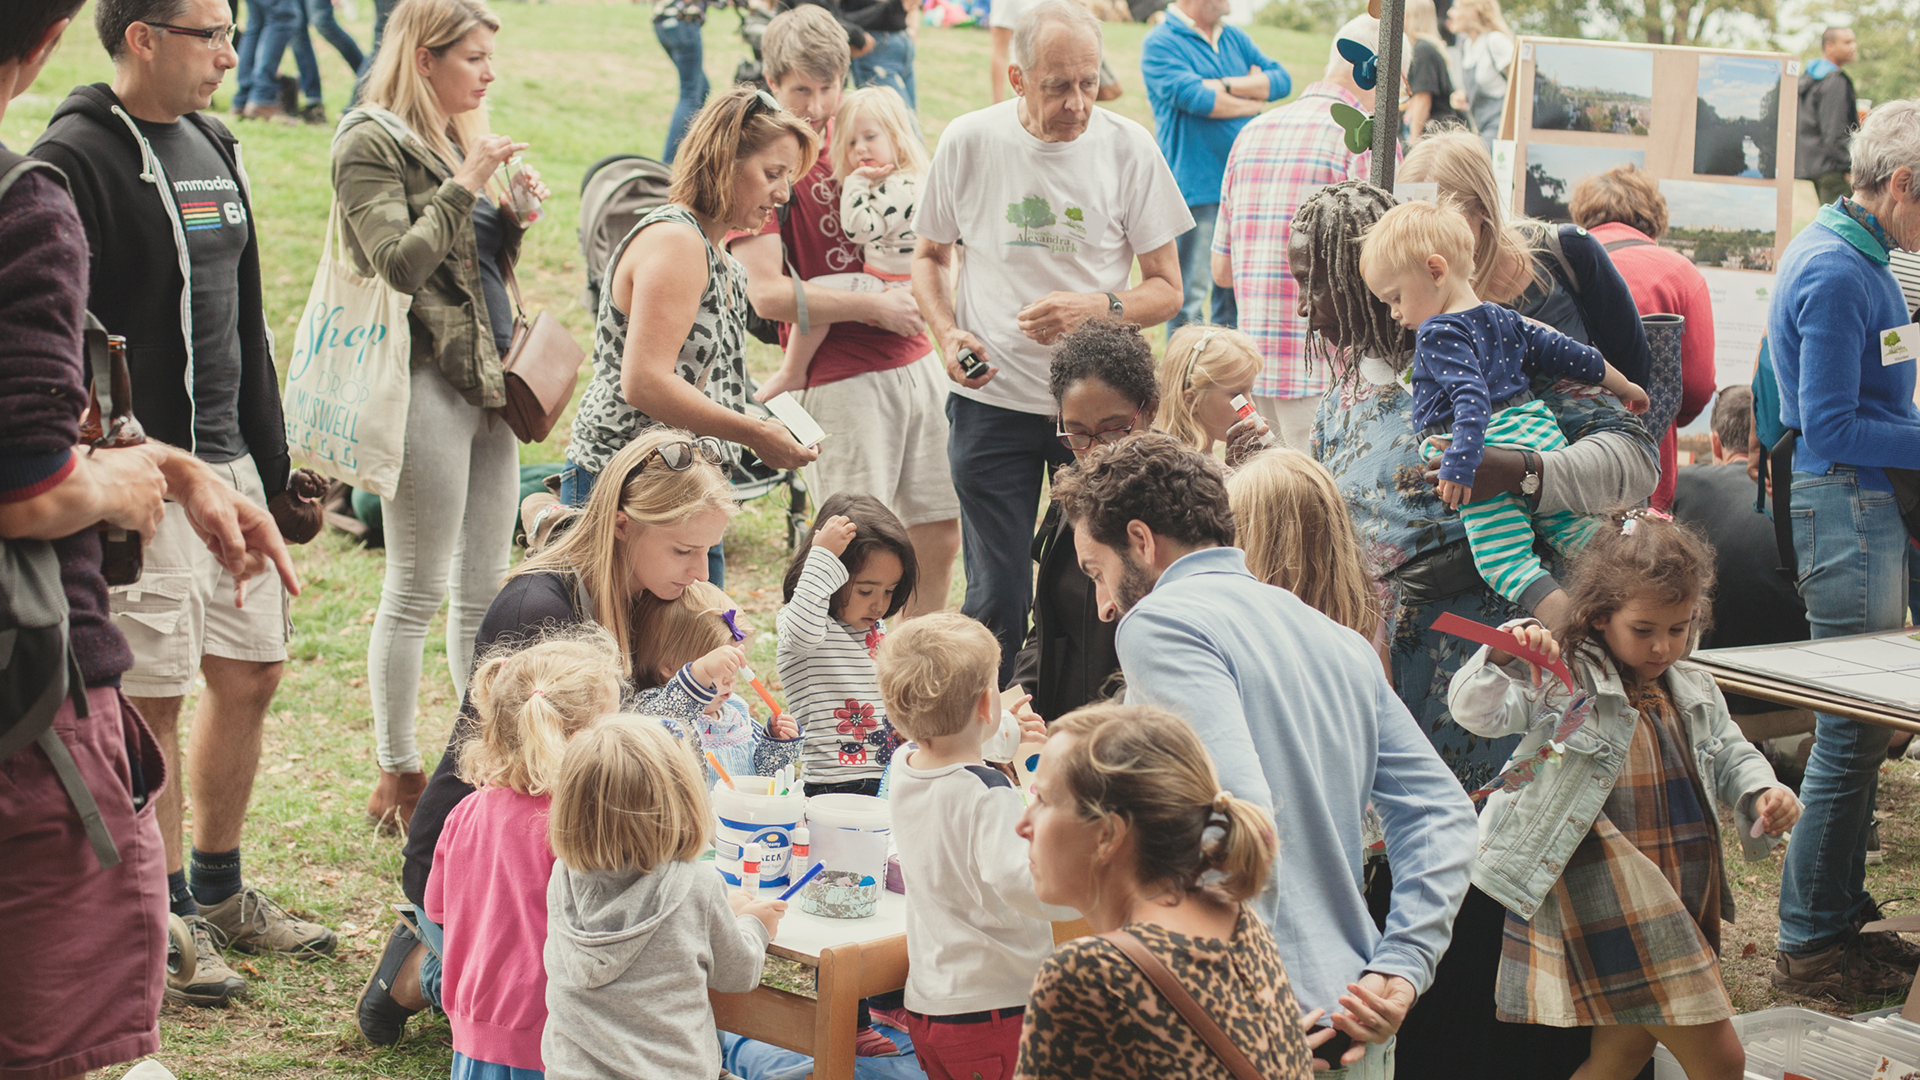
450, 522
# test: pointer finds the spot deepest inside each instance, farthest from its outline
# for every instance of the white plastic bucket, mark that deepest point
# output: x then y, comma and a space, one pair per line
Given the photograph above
850, 841
768, 820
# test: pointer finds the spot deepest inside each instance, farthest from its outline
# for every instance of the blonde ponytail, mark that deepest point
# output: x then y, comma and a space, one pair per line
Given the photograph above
1145, 766
531, 699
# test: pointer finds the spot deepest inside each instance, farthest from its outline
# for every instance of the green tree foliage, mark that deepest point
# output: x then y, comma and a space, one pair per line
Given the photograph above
1889, 35
1672, 22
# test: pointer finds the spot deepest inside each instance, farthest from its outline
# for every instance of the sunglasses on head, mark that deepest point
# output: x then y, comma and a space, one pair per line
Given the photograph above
680, 455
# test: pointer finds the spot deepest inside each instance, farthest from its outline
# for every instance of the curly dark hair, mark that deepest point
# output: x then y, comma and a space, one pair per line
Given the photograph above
1659, 560
1116, 355
875, 529
1332, 220
1154, 478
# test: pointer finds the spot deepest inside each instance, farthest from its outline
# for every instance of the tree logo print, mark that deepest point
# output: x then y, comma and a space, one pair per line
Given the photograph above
1032, 215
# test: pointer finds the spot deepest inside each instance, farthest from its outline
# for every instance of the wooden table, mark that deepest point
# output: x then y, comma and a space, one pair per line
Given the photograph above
853, 959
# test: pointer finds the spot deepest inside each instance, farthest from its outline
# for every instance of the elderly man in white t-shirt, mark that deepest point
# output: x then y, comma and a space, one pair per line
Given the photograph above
1054, 200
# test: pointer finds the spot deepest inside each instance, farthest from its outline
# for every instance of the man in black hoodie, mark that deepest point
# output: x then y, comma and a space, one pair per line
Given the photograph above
1829, 115
176, 270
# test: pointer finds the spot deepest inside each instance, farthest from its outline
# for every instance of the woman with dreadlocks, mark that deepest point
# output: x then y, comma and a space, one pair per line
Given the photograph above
1366, 437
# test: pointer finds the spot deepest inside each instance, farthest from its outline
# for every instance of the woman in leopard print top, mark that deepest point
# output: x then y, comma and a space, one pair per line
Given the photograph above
1127, 819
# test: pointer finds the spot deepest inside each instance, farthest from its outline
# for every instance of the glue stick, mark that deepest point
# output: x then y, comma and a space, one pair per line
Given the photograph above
750, 867
1241, 406
798, 857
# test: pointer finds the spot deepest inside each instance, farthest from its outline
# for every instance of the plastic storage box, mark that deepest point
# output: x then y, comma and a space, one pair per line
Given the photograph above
1812, 1044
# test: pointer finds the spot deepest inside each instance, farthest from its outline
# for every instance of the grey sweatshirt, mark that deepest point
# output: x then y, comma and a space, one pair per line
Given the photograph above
630, 957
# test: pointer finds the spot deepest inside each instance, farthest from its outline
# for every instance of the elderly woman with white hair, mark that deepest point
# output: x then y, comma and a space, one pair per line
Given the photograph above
1837, 329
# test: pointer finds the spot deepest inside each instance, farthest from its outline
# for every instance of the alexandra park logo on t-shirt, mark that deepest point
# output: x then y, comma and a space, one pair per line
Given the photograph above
197, 212
1040, 227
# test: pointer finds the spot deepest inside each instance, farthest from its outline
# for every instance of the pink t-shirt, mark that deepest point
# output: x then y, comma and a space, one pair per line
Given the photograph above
488, 889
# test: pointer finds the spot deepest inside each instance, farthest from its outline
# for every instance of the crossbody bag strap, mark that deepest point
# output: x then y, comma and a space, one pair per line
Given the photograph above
1190, 1010
1781, 462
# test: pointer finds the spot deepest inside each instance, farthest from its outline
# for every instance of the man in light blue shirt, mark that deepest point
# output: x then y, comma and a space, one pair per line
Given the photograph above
1205, 80
1298, 716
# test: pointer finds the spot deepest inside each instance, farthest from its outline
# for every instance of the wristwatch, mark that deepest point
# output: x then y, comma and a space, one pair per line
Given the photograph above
1530, 482
1114, 306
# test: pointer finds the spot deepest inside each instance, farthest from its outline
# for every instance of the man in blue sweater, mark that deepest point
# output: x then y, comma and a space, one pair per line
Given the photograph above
1205, 80
1298, 716
1842, 344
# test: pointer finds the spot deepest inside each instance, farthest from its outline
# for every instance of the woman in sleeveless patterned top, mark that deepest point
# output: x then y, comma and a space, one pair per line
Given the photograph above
664, 353
1126, 820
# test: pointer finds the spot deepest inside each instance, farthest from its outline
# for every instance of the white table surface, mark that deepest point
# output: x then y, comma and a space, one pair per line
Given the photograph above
808, 935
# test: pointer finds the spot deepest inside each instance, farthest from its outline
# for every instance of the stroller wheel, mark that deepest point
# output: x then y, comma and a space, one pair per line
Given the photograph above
182, 958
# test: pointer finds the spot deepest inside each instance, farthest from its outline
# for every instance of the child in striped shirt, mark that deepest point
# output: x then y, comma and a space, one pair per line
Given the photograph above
856, 571
1472, 366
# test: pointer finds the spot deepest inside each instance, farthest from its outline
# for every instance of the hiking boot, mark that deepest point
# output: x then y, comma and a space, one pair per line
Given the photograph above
315, 114
253, 923
1886, 946
212, 982
1844, 971
382, 1019
1874, 852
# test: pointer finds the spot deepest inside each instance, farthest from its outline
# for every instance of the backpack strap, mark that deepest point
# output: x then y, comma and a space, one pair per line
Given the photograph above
1560, 255
1780, 460
1631, 241
1190, 1010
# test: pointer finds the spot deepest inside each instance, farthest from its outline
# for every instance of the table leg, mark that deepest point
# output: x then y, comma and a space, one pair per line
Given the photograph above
837, 1013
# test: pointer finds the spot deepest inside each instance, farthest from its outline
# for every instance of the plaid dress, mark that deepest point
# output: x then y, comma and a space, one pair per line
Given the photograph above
1630, 933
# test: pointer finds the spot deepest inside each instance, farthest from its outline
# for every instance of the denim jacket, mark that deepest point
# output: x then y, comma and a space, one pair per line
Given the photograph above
1527, 836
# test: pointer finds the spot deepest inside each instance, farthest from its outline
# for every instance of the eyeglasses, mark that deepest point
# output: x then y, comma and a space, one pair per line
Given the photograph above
1080, 440
679, 456
215, 38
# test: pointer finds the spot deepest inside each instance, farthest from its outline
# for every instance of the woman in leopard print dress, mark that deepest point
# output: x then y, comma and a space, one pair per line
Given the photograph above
1127, 820
672, 323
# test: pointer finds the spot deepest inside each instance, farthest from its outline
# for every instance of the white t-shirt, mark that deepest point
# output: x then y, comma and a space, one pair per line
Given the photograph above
976, 933
1040, 217
1484, 62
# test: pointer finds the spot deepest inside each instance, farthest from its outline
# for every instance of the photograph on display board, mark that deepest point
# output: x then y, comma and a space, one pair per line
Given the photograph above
1737, 117
1582, 88
1729, 226
1554, 169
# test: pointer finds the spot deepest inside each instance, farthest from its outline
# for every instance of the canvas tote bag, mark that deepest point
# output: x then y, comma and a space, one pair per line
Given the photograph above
347, 380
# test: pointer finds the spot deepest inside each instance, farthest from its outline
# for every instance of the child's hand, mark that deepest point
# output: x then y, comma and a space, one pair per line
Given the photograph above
1533, 636
1634, 398
1454, 494
782, 727
834, 535
767, 911
1032, 728
873, 174
719, 668
1777, 810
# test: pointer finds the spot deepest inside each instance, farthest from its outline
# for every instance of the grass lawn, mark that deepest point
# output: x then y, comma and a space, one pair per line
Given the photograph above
579, 80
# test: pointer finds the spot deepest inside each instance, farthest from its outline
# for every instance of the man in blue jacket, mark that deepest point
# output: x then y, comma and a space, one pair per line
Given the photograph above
1205, 80
1298, 716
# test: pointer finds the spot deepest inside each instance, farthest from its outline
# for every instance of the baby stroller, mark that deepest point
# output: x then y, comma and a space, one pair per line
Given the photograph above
616, 192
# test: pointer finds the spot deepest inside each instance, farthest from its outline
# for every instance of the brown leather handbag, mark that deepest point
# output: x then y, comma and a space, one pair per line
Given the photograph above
1194, 1013
542, 367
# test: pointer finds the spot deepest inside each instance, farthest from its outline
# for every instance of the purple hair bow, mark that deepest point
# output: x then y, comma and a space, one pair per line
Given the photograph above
727, 618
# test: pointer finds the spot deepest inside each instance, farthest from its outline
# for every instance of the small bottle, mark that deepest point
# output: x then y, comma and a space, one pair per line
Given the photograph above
750, 868
120, 558
525, 205
797, 858
1241, 406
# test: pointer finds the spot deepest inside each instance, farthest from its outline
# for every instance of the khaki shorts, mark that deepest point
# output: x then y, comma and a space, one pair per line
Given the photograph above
182, 609
889, 440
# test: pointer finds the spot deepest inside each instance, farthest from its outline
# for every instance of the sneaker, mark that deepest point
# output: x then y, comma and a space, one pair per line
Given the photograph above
212, 982
253, 923
382, 1019
1874, 853
314, 115
870, 1043
1844, 971
893, 1018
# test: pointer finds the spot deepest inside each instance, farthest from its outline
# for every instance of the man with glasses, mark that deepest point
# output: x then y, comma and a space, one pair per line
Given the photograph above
1054, 201
175, 269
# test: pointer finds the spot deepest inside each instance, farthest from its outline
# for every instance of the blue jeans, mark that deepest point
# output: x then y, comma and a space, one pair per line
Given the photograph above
320, 18
1852, 550
1196, 270
999, 459
576, 483
381, 9
889, 64
682, 41
279, 23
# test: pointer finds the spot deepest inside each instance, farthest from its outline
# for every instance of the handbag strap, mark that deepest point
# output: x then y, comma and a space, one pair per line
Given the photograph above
1183, 1003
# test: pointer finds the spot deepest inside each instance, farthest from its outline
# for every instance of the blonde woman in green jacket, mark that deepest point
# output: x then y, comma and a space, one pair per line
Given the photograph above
413, 173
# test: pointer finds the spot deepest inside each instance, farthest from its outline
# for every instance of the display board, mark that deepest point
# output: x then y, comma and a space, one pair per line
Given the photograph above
1882, 668
1714, 127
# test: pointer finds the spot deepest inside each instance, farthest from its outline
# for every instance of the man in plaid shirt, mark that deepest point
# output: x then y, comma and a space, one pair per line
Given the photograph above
1279, 159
